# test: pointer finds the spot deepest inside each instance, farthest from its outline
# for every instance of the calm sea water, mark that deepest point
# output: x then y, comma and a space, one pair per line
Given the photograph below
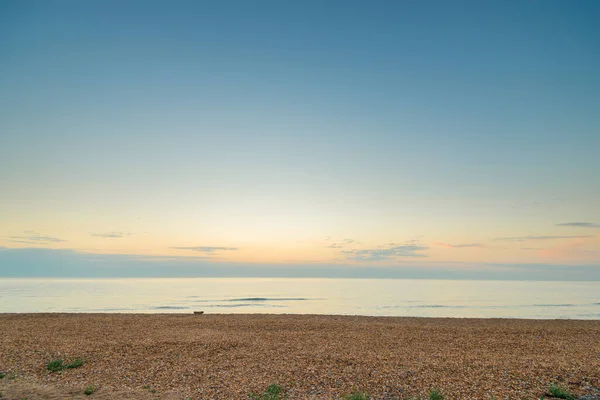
393, 297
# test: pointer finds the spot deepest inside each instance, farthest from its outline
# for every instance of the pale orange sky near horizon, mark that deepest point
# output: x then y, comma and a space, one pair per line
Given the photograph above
558, 245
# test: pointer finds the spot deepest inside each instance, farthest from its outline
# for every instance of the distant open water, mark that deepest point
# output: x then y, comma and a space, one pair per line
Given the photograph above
382, 297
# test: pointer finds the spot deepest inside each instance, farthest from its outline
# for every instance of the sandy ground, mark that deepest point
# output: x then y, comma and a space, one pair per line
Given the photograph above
312, 357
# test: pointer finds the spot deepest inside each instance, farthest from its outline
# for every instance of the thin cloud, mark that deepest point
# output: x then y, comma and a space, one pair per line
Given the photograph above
26, 241
342, 244
580, 224
35, 238
535, 204
206, 249
525, 238
458, 246
173, 258
411, 249
110, 234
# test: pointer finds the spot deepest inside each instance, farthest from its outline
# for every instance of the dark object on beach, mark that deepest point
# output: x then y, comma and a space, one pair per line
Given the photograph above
198, 312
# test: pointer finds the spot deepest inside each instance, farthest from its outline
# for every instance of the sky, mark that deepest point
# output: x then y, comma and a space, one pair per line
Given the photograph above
327, 138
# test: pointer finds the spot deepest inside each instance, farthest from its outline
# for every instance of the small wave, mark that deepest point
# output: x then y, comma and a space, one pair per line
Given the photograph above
197, 299
594, 316
567, 305
108, 309
168, 308
270, 299
438, 306
425, 306
244, 305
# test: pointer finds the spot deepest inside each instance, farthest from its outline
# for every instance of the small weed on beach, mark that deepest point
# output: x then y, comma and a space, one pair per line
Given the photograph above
77, 363
90, 390
1, 375
357, 396
59, 365
55, 365
559, 393
272, 392
435, 394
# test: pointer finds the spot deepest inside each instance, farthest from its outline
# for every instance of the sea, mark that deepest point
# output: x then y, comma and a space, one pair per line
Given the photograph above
375, 297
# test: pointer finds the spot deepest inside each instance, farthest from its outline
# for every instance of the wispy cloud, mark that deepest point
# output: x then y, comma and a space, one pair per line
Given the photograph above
534, 204
525, 238
341, 244
206, 249
171, 258
34, 238
25, 241
580, 224
390, 251
458, 246
109, 235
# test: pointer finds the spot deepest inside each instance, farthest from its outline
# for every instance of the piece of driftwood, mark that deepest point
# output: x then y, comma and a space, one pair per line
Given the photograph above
198, 312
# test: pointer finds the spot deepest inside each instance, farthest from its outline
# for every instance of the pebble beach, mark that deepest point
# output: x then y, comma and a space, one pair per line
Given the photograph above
216, 356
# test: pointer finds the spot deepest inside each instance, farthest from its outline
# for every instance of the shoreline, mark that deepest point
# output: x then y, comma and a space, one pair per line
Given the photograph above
311, 356
198, 313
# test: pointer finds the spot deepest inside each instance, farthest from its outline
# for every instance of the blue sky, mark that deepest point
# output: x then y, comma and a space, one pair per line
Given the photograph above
354, 133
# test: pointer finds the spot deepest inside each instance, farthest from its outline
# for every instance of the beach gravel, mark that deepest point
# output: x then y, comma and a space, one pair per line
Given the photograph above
312, 357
